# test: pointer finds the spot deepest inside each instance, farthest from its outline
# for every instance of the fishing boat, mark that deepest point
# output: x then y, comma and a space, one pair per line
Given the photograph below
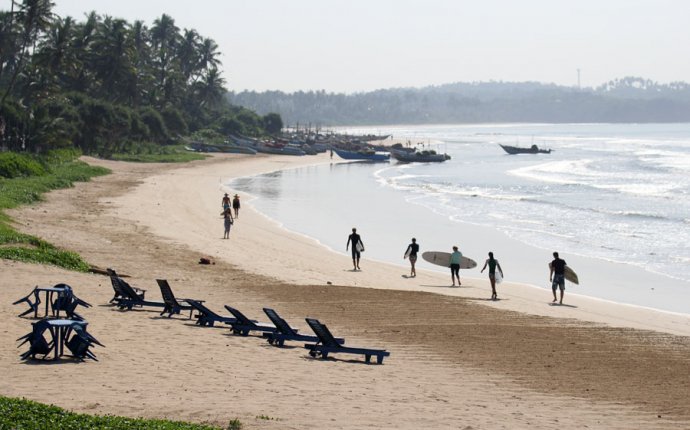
362, 155
226, 147
419, 156
534, 149
272, 148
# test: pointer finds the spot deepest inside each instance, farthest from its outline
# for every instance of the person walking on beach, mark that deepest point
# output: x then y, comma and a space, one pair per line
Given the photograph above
225, 203
236, 205
493, 265
411, 253
357, 247
557, 276
227, 222
455, 259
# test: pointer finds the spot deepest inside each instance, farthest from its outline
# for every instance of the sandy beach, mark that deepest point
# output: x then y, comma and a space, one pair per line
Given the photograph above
457, 360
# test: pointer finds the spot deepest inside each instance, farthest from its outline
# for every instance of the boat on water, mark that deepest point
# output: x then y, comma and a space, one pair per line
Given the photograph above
362, 155
419, 156
534, 149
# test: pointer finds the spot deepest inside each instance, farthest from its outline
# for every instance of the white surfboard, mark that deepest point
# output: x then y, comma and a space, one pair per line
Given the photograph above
407, 253
443, 259
499, 277
360, 246
570, 275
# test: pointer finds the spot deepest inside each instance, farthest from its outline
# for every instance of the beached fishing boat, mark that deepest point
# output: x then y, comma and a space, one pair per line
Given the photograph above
362, 155
419, 156
228, 148
534, 149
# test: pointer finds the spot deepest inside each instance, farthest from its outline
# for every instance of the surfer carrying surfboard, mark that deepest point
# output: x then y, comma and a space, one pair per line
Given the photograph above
493, 265
557, 276
357, 247
455, 259
411, 253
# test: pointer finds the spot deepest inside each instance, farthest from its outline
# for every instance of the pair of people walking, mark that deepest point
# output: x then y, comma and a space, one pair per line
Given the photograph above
228, 219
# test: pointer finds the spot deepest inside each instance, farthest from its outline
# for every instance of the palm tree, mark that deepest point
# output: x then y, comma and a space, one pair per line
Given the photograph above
113, 60
35, 17
210, 90
164, 40
81, 75
53, 53
141, 38
188, 53
208, 55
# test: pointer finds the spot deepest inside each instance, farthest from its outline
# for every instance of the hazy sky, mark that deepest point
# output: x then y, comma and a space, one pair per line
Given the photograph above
357, 45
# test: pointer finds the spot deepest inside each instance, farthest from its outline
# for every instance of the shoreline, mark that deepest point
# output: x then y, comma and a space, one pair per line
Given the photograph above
292, 249
155, 221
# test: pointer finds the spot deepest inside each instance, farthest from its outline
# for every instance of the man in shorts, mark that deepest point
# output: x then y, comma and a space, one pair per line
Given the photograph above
357, 247
557, 276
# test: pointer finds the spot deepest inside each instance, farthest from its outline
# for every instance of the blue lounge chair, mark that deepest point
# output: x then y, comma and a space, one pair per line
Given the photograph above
130, 297
327, 344
244, 325
285, 332
206, 317
172, 304
118, 291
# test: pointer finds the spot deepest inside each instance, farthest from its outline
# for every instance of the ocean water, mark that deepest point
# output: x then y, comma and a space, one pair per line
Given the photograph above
608, 193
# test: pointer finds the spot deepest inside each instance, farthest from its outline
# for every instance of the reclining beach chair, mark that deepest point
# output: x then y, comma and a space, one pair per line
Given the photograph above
130, 297
327, 344
37, 342
285, 332
173, 305
116, 287
206, 317
244, 325
33, 305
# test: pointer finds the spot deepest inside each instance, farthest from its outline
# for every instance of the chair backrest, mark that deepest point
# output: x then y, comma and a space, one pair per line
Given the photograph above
126, 289
166, 292
199, 307
241, 318
322, 332
279, 322
114, 280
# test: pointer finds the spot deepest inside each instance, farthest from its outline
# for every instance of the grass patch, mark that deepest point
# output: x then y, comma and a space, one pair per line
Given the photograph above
60, 171
159, 154
30, 415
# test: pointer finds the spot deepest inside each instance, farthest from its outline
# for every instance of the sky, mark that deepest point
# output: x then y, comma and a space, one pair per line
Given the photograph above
363, 45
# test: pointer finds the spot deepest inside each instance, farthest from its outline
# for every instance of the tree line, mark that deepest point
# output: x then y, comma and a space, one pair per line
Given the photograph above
105, 85
630, 99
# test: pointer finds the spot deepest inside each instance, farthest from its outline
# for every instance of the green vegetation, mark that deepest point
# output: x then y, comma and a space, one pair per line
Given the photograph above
235, 424
23, 180
158, 154
29, 415
107, 86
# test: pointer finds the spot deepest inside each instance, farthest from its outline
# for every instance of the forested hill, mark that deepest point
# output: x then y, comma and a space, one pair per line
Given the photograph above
622, 100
